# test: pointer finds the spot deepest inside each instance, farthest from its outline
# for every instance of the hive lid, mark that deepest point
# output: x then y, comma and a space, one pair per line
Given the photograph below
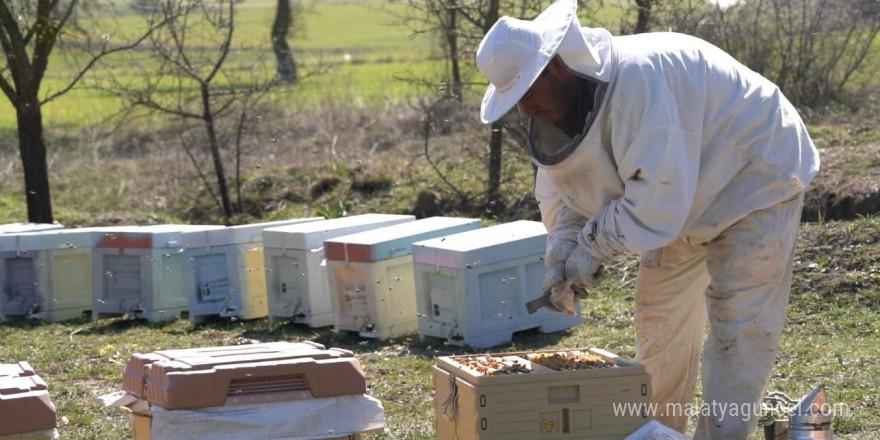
8, 243
152, 237
24, 401
76, 238
234, 235
311, 235
214, 376
21, 369
543, 365
483, 246
394, 241
13, 228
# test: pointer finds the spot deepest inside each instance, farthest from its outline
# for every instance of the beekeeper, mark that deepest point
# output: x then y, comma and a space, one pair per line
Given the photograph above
661, 144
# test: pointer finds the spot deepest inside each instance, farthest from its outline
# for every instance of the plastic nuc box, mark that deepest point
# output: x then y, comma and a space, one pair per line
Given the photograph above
226, 275
139, 271
48, 275
514, 397
472, 287
296, 278
223, 390
370, 275
16, 228
26, 410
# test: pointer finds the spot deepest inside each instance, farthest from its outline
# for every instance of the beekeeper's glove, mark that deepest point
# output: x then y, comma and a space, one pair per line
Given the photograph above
566, 281
582, 270
559, 248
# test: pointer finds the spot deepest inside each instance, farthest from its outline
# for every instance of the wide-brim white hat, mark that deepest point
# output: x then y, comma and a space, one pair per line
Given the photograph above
514, 53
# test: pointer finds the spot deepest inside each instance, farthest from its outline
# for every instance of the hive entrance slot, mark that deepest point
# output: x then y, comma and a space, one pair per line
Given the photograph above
256, 385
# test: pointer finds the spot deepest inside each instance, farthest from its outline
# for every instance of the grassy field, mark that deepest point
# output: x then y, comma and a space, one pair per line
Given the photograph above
830, 337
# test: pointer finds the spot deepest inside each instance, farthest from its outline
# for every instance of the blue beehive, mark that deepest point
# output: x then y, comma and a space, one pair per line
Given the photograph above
471, 287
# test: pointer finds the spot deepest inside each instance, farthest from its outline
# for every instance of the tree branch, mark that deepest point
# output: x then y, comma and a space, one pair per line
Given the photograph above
97, 57
224, 47
428, 128
13, 45
195, 163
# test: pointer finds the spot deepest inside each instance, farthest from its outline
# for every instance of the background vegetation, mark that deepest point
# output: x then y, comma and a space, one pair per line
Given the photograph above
371, 127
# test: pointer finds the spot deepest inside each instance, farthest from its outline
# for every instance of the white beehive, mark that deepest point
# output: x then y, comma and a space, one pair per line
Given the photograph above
472, 287
49, 274
370, 275
139, 271
15, 228
226, 275
296, 278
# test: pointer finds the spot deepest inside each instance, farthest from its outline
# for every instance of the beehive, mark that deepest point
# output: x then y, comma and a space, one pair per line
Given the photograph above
567, 394
296, 278
16, 228
370, 275
139, 271
471, 287
48, 274
26, 410
226, 273
230, 390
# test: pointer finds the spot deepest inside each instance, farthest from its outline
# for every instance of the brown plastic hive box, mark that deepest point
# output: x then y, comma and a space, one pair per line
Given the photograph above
534, 402
251, 373
25, 406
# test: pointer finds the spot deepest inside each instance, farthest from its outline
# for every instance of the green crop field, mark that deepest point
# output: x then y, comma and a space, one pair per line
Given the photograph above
359, 48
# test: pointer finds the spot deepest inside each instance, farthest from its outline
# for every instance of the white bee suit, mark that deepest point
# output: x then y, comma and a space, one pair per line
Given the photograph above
700, 165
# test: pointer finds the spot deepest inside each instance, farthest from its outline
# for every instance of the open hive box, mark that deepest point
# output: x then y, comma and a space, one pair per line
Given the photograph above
560, 394
252, 391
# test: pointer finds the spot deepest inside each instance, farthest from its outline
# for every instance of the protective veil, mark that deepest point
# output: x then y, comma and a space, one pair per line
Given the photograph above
700, 165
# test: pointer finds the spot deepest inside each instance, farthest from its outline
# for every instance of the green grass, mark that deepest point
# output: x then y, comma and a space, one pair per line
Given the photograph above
830, 337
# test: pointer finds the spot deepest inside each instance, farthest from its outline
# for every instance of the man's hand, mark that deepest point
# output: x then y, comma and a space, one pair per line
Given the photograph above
567, 281
582, 270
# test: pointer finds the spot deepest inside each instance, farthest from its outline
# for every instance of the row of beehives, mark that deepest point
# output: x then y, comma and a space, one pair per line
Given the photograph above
380, 275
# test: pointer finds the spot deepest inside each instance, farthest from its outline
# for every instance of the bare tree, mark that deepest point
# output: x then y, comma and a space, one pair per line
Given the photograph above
29, 31
203, 91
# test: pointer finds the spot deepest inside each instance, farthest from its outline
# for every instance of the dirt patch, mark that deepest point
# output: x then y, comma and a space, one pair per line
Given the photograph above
847, 185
